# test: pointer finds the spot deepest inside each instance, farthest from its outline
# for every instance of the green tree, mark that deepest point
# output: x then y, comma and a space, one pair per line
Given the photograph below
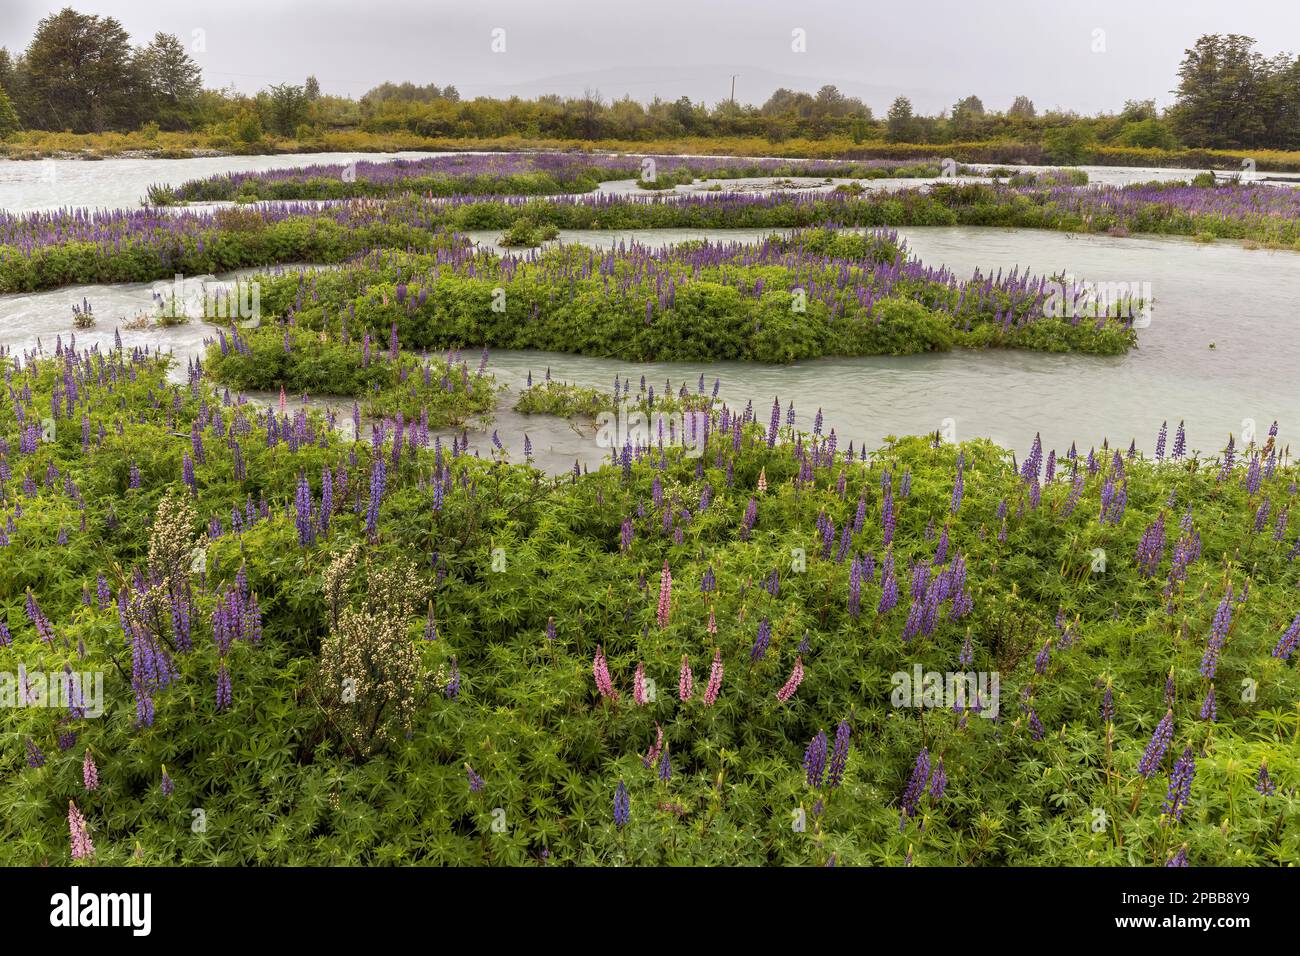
80, 74
1068, 144
6, 71
8, 116
967, 115
1022, 108
1221, 96
172, 79
900, 123
287, 107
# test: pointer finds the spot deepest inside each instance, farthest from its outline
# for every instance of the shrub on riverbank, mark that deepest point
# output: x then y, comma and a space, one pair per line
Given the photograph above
811, 294
507, 174
563, 400
34, 144
384, 379
46, 250
525, 232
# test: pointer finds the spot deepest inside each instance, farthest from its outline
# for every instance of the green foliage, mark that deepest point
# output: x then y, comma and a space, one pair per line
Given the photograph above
9, 123
300, 361
525, 232
722, 309
447, 638
562, 399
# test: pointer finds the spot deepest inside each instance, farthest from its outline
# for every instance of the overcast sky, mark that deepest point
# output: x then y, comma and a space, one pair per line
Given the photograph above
934, 51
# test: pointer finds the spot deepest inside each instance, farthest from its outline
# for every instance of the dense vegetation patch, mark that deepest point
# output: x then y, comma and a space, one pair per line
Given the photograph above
810, 294
385, 379
509, 174
46, 250
388, 651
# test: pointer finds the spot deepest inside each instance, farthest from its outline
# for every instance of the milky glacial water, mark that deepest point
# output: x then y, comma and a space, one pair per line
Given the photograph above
43, 184
32, 185
1241, 301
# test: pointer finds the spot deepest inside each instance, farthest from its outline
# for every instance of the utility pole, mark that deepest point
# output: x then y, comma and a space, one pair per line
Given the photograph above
733, 88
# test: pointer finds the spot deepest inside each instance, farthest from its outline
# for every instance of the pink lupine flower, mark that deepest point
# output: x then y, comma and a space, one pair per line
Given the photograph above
792, 684
82, 847
282, 398
89, 772
762, 480
665, 595
715, 679
638, 686
685, 682
652, 755
601, 671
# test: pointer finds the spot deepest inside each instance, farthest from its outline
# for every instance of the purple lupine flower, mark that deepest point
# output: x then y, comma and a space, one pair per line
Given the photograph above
34, 756
888, 585
839, 755
326, 498
666, 766
1263, 782
378, 479
1043, 659
938, 782
747, 523
855, 588
1108, 705
761, 641
303, 505
709, 582
1286, 645
38, 619
223, 686
1180, 785
1160, 441
916, 785
1155, 751
475, 781
664, 610
958, 485
1033, 461
1180, 442
814, 760
1218, 635
775, 424
1035, 725
622, 805
1210, 709
887, 518
1151, 548
453, 681
167, 786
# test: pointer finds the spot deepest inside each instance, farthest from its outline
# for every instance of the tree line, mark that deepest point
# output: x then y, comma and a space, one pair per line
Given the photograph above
81, 73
